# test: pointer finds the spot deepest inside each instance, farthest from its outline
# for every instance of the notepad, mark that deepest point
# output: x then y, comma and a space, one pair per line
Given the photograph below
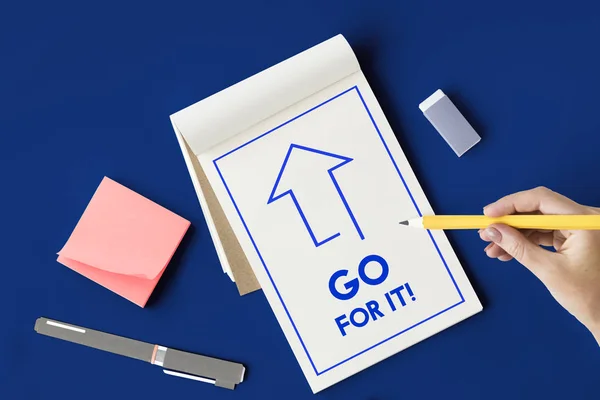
123, 241
301, 178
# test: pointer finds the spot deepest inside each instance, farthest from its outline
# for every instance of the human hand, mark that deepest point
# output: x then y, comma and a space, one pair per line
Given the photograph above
572, 273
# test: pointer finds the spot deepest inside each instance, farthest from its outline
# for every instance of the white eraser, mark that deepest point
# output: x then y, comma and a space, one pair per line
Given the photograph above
449, 122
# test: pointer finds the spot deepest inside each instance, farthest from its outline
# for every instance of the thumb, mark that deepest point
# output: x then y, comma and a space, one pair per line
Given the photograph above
519, 247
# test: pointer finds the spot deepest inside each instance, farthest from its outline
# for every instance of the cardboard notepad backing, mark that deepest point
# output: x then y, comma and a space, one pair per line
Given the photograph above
302, 183
230, 254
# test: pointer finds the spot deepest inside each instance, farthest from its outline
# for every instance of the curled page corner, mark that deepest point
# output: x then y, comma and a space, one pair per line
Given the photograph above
238, 107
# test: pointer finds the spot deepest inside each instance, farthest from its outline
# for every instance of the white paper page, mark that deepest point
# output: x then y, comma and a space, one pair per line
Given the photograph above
237, 108
329, 207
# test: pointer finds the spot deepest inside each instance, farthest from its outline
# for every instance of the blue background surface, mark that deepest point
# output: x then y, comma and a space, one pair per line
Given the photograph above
86, 91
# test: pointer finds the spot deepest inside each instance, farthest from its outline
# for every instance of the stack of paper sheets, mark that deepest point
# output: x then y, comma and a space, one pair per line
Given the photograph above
123, 241
303, 183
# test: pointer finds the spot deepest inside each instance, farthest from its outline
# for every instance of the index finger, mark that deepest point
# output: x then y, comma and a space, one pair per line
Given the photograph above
539, 199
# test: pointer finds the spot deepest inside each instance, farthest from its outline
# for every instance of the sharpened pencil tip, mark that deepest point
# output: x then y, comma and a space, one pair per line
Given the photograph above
404, 223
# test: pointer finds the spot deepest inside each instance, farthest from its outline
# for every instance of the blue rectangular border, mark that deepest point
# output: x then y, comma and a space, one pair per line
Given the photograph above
462, 300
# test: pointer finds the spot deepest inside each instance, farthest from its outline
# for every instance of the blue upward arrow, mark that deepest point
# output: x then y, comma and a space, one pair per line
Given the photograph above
342, 161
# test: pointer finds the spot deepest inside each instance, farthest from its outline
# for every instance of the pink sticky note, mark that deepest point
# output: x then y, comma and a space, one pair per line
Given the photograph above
123, 241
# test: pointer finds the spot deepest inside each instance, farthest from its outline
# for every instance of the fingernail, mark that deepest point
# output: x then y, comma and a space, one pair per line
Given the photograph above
487, 208
493, 234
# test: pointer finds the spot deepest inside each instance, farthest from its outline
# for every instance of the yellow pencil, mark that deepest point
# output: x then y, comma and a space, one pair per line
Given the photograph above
545, 222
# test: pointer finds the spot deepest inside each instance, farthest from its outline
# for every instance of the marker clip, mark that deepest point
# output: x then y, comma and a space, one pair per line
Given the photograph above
227, 385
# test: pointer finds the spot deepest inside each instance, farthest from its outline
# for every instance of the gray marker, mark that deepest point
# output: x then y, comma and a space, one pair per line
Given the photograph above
449, 122
221, 373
